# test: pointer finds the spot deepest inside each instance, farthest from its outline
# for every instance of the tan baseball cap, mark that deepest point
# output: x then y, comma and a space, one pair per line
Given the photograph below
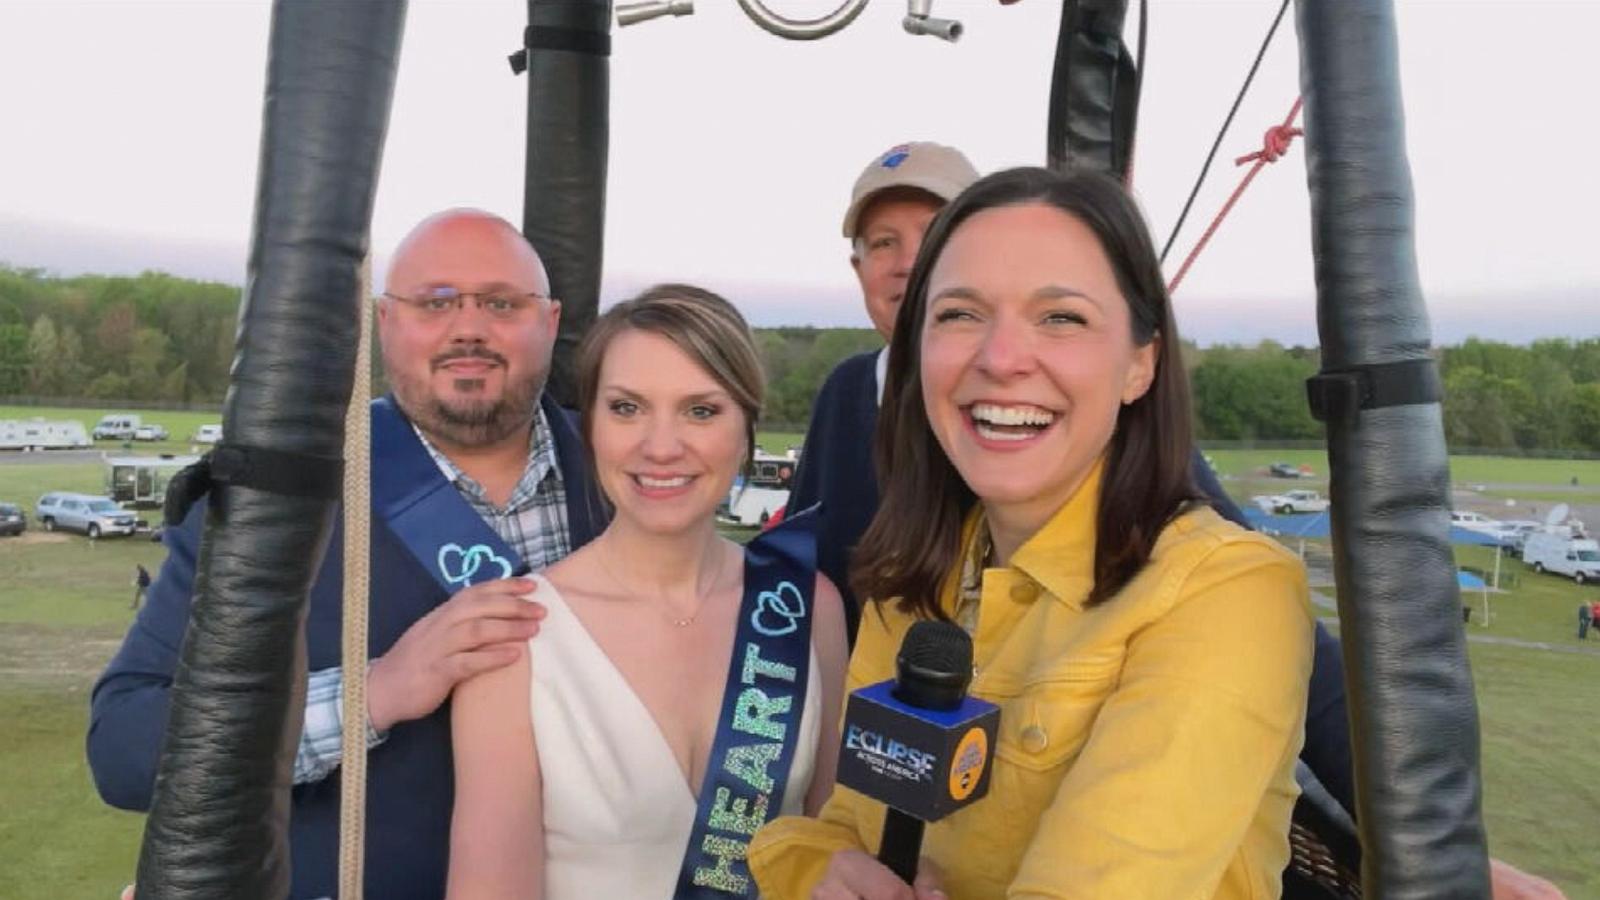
941, 171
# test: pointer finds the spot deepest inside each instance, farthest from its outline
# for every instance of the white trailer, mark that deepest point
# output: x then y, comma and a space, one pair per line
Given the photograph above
41, 434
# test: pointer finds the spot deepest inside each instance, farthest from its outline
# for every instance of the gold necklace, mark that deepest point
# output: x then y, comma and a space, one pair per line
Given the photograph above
676, 621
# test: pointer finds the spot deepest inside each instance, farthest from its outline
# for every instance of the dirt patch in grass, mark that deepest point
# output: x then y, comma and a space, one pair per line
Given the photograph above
39, 538
38, 655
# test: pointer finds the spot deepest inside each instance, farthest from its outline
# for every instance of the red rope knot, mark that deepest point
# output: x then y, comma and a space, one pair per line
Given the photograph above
1273, 145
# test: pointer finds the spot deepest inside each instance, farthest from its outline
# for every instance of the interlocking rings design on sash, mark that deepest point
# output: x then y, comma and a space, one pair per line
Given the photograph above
785, 604
469, 561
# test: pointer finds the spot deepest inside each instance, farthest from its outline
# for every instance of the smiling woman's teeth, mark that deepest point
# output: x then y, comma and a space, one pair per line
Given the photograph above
1012, 415
649, 482
1009, 423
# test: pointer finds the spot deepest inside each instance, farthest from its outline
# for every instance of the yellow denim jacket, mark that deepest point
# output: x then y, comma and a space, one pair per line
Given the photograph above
1147, 745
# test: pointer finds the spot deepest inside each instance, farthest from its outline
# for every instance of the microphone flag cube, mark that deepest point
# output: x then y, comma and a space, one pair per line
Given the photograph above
925, 763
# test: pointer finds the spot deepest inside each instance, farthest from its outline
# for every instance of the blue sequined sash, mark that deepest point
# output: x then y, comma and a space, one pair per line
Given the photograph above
759, 725
427, 513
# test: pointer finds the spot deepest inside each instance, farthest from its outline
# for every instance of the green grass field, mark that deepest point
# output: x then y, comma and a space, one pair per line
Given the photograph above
1541, 794
58, 840
63, 609
1464, 470
778, 442
22, 484
1531, 606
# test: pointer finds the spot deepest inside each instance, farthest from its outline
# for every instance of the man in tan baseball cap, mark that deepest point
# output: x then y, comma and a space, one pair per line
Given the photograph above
893, 201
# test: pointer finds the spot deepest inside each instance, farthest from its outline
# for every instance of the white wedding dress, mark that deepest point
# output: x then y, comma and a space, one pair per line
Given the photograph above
617, 810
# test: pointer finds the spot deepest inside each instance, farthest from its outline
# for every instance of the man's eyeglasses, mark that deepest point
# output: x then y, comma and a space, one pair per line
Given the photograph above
444, 301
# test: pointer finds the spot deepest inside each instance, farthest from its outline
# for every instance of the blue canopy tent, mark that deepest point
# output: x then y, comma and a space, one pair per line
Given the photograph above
1301, 525
1475, 538
1479, 539
1318, 526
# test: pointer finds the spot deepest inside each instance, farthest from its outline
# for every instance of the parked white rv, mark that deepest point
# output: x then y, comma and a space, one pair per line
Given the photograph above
39, 434
1577, 558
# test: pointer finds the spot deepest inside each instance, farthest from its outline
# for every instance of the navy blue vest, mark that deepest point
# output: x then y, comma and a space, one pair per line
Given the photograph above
410, 778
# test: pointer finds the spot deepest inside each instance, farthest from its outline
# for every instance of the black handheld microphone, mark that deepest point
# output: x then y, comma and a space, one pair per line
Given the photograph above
918, 743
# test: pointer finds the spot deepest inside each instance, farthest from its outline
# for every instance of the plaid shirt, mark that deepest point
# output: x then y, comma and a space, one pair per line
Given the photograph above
533, 523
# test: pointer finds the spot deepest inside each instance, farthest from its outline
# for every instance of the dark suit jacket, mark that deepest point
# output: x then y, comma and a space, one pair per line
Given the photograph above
836, 470
410, 776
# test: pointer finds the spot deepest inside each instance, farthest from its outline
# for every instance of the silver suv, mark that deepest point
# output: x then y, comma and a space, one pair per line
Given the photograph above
94, 516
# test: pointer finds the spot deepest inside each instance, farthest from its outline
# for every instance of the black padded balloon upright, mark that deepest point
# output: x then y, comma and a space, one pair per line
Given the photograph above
1094, 90
218, 825
1414, 718
567, 49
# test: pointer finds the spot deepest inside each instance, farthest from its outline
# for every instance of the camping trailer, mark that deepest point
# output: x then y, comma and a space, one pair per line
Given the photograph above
40, 434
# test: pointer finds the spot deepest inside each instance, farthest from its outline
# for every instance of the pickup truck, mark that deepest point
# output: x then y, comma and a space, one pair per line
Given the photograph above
1293, 502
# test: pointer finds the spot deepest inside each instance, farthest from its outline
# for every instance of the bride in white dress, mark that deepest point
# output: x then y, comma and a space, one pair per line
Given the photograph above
579, 768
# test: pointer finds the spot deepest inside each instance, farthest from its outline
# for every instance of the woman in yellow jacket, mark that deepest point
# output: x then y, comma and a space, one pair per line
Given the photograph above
1149, 658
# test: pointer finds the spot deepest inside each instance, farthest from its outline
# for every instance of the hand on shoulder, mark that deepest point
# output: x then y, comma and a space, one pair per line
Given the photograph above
481, 628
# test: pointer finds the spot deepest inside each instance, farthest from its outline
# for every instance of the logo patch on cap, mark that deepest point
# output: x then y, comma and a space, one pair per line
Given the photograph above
895, 156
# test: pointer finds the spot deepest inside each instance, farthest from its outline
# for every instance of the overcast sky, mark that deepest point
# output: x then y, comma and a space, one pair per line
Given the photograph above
129, 133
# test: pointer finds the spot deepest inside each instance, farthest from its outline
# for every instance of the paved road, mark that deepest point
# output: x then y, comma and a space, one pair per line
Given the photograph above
49, 457
1532, 645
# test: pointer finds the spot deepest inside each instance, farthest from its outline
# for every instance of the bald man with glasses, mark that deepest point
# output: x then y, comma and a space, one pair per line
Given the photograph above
466, 328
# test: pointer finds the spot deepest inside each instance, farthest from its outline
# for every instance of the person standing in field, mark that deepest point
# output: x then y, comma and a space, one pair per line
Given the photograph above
141, 583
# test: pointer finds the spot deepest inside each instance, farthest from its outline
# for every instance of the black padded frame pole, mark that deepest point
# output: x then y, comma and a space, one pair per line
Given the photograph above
567, 49
1414, 719
218, 826
1094, 90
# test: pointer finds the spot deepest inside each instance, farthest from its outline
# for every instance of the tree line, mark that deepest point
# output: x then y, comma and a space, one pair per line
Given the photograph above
1541, 397
155, 338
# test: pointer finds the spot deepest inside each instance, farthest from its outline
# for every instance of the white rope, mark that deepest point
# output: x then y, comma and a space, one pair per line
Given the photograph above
357, 570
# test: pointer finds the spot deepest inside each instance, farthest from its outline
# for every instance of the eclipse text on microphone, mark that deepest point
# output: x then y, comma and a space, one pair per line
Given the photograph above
925, 763
888, 756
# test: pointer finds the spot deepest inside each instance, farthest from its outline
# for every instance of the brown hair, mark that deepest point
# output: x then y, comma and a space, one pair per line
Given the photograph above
703, 325
913, 543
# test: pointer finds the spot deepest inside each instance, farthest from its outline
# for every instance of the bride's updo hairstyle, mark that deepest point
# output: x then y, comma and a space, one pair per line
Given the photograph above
707, 328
